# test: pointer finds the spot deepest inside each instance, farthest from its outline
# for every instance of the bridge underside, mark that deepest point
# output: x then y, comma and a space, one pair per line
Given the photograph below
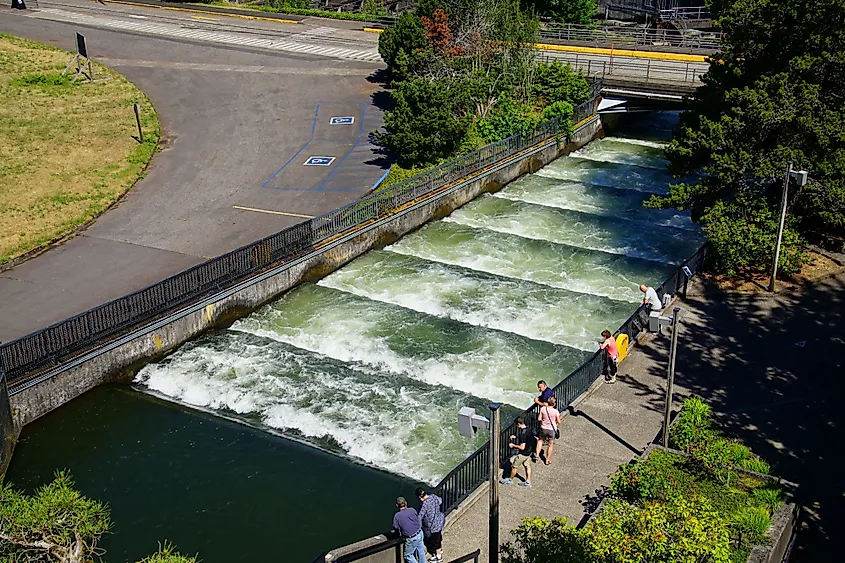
615, 104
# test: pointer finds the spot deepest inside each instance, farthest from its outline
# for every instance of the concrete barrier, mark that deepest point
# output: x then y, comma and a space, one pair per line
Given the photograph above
9, 429
120, 360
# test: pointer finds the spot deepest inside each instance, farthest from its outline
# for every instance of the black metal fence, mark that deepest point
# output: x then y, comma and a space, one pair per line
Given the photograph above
30, 356
475, 469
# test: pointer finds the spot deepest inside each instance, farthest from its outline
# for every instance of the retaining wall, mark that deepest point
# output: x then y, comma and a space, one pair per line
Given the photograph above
120, 360
9, 429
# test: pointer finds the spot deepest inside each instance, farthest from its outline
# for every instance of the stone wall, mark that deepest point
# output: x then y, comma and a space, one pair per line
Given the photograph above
120, 360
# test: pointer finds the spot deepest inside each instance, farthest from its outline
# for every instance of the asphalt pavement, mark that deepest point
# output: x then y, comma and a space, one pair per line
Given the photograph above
233, 117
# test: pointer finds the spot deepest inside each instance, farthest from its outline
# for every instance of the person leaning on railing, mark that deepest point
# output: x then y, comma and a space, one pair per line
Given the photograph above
611, 357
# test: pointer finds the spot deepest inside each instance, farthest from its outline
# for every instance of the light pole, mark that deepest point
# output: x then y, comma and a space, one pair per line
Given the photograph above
468, 424
800, 177
670, 381
493, 524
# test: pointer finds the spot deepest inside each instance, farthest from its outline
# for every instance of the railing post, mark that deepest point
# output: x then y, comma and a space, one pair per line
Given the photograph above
670, 379
648, 69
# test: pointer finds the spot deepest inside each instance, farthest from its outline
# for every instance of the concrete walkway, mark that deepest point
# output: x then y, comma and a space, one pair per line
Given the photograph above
769, 366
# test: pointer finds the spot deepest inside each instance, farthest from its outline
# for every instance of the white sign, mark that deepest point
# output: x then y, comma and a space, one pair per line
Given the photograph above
319, 161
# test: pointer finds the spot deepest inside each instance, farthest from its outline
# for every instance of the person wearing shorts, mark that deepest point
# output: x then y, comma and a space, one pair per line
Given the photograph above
521, 450
549, 418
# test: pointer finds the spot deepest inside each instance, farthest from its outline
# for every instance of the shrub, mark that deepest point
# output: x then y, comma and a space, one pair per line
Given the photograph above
538, 540
770, 497
713, 458
373, 9
505, 119
742, 237
750, 525
683, 530
638, 482
754, 463
557, 82
692, 426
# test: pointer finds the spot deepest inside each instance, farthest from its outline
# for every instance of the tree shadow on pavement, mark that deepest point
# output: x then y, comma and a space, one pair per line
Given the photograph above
770, 368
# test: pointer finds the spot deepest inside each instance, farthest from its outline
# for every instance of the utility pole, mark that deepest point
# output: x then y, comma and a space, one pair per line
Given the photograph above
671, 376
493, 531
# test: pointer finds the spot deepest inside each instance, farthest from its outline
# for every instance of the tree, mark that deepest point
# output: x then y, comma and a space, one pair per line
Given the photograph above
58, 524
774, 94
566, 11
556, 82
426, 124
401, 44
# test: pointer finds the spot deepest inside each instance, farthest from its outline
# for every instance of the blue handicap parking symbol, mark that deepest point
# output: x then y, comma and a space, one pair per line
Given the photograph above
319, 161
342, 121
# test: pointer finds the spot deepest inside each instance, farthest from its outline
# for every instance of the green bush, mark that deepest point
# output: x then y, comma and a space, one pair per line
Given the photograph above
538, 540
373, 9
755, 464
713, 458
742, 237
398, 174
769, 497
750, 525
638, 482
683, 530
693, 424
557, 82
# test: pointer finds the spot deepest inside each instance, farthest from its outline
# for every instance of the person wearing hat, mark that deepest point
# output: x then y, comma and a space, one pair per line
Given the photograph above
432, 520
407, 524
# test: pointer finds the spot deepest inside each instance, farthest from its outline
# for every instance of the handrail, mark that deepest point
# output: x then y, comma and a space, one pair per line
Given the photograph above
468, 475
473, 556
371, 550
28, 357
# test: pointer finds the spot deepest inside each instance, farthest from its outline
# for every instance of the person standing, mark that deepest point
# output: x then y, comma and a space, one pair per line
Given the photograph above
549, 418
432, 521
407, 523
611, 357
521, 451
651, 299
545, 393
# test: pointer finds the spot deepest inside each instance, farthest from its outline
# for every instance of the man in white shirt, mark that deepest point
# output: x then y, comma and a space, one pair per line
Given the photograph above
651, 298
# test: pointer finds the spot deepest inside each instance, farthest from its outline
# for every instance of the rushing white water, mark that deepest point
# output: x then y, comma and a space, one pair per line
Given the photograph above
375, 360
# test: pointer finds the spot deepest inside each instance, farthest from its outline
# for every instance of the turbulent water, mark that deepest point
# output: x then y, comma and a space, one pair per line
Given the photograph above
374, 361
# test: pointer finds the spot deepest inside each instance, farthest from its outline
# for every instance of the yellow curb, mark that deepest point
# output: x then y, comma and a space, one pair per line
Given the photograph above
196, 11
623, 53
373, 30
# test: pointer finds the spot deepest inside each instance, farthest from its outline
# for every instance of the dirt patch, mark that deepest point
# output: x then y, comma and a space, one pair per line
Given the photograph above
818, 268
67, 150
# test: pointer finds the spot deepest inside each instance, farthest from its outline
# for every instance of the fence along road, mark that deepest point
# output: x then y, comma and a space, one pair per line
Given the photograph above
41, 355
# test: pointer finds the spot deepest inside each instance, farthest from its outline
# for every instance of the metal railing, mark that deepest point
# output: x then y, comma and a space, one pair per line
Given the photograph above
633, 70
622, 36
28, 357
471, 473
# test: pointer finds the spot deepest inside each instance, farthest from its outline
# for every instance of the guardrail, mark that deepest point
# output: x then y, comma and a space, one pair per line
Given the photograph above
622, 36
471, 473
28, 357
645, 70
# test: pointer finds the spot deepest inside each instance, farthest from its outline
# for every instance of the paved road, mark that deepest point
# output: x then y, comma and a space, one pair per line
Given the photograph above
235, 116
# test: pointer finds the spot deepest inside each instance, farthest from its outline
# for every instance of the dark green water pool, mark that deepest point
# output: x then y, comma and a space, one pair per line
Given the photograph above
220, 489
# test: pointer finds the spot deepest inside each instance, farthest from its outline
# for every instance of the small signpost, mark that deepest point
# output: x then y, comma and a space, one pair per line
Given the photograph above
81, 59
341, 121
319, 161
137, 109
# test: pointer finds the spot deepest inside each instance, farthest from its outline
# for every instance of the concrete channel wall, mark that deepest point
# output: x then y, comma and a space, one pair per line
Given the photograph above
120, 360
9, 429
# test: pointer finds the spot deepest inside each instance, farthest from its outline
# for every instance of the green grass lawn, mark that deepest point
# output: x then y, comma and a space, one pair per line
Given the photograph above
67, 150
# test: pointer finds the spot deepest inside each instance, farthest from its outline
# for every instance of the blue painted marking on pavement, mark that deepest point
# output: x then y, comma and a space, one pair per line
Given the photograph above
313, 128
341, 121
340, 162
318, 161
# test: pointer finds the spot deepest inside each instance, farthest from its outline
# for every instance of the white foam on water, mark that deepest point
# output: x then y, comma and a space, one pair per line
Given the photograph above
483, 363
640, 142
575, 269
584, 230
536, 311
383, 420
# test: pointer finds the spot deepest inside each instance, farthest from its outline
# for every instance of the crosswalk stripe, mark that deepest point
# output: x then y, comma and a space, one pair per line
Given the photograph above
215, 36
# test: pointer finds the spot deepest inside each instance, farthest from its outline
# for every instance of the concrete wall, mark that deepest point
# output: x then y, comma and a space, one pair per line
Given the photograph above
122, 358
8, 428
389, 551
